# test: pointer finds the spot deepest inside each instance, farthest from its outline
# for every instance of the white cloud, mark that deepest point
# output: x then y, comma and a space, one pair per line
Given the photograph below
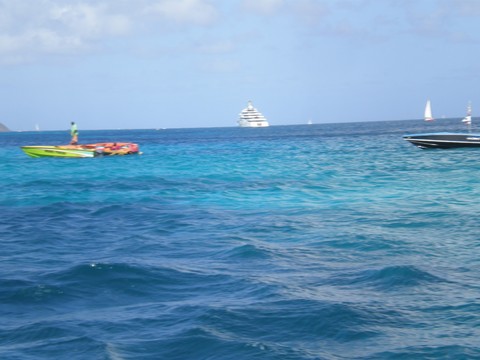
217, 47
264, 7
373, 20
9, 44
90, 20
55, 27
310, 12
199, 12
31, 28
22, 47
222, 66
464, 7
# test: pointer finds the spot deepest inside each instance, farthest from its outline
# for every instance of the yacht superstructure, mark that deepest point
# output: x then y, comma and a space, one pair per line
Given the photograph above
251, 117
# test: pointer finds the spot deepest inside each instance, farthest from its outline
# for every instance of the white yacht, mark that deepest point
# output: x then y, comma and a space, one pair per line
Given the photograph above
251, 117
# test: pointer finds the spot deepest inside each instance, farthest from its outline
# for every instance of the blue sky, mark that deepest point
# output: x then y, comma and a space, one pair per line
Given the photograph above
109, 64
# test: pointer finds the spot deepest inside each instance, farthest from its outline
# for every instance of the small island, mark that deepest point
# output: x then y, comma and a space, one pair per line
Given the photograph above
3, 128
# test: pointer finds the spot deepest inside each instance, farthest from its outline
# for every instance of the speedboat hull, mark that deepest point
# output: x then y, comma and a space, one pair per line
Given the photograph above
443, 140
58, 151
81, 151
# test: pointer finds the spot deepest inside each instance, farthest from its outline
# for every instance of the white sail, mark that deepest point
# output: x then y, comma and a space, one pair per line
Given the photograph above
468, 118
428, 111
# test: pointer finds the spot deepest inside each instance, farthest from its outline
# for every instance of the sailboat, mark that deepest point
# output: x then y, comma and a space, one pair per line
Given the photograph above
428, 112
468, 118
446, 140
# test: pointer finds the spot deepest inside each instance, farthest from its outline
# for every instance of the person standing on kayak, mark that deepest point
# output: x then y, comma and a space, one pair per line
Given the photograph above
74, 133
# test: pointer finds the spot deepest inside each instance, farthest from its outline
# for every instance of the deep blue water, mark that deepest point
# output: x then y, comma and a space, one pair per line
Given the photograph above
329, 241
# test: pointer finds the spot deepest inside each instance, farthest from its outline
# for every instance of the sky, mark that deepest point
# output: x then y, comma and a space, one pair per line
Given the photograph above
136, 64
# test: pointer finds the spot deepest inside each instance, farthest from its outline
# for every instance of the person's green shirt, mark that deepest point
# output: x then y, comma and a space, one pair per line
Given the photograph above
74, 129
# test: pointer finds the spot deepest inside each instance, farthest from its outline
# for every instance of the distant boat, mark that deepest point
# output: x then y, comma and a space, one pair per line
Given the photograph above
37, 127
468, 118
445, 140
428, 112
309, 122
251, 117
81, 151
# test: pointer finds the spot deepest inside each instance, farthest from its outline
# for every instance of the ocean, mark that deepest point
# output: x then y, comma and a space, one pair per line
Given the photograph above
324, 241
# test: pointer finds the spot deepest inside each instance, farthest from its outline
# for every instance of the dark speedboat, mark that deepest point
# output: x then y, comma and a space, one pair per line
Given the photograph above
444, 140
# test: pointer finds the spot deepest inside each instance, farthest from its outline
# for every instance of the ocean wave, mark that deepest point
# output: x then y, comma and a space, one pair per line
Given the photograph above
261, 330
50, 339
121, 282
308, 319
328, 242
388, 278
429, 352
21, 292
248, 252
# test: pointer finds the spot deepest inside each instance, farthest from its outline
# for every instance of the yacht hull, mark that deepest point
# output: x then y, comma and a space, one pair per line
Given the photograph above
443, 140
253, 124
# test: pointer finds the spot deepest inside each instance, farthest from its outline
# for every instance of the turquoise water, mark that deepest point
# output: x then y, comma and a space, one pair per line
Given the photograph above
333, 241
